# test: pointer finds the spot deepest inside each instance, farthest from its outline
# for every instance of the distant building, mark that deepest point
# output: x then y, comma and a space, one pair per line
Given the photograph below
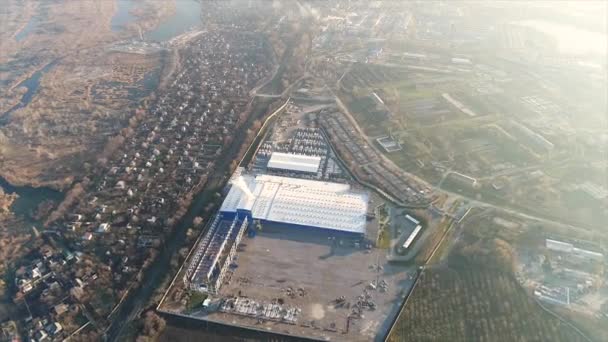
538, 142
560, 296
463, 179
294, 162
378, 99
464, 61
558, 246
411, 237
389, 144
60, 309
104, 227
588, 254
411, 55
54, 328
406, 238
566, 247
594, 190
40, 336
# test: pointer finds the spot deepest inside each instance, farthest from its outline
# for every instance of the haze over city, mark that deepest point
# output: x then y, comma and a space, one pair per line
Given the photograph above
303, 170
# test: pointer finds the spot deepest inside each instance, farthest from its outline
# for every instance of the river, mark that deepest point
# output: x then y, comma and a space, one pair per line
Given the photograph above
31, 25
187, 16
32, 84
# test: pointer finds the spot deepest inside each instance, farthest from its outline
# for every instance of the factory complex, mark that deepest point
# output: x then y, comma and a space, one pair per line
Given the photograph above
311, 205
293, 245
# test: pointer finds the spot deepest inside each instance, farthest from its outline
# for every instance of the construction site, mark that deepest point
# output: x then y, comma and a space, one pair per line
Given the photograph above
292, 249
297, 281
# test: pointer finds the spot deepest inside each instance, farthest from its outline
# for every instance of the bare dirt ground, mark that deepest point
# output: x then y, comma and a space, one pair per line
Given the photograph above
285, 257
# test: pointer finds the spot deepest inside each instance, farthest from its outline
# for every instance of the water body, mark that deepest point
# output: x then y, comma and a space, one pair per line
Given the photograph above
570, 40
187, 15
29, 198
31, 26
32, 84
123, 15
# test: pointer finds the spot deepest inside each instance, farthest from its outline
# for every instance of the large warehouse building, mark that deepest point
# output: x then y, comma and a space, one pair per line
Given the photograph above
294, 162
299, 202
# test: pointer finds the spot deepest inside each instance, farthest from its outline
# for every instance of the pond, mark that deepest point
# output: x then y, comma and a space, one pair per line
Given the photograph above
29, 198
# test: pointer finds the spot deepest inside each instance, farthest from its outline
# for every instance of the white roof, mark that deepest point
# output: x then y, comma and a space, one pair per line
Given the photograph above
407, 216
559, 245
299, 201
294, 162
412, 236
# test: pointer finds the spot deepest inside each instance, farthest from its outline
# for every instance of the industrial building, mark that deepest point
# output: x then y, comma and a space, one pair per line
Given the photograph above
408, 236
463, 179
297, 202
412, 236
294, 162
537, 141
594, 190
553, 295
302, 203
214, 253
389, 144
566, 247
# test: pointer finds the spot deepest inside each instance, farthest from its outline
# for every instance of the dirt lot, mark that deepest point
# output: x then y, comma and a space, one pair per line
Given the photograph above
281, 257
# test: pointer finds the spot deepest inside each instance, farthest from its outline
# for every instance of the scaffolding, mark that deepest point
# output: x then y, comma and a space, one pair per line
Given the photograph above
214, 254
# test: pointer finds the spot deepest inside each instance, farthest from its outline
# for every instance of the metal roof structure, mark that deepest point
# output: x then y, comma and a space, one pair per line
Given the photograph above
412, 236
294, 162
298, 201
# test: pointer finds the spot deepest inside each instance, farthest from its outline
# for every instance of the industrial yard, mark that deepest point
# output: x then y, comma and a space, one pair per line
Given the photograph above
321, 276
338, 287
294, 247
568, 274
